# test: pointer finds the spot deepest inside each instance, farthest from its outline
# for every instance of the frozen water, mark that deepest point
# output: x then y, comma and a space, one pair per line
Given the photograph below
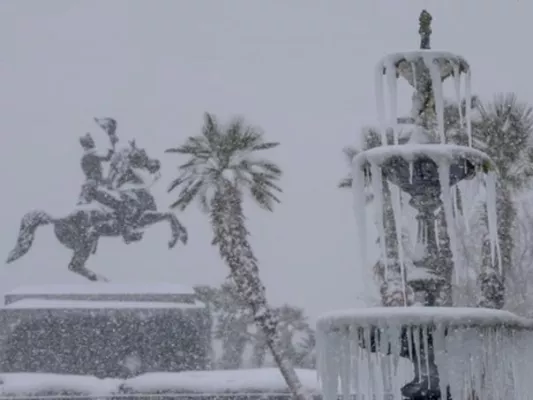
380, 103
377, 187
436, 81
358, 188
484, 351
397, 209
457, 87
444, 178
490, 181
468, 106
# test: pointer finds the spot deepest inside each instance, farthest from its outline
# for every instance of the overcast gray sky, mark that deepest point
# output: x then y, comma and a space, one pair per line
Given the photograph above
300, 69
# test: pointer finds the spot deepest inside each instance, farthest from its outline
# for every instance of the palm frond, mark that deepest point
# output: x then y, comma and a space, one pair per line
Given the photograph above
188, 194
265, 146
224, 151
346, 183
505, 132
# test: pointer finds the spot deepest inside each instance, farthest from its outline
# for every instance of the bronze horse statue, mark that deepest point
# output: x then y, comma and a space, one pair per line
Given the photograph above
126, 202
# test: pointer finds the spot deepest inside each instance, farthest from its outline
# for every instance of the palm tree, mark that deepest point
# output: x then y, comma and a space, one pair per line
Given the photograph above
220, 168
504, 130
391, 282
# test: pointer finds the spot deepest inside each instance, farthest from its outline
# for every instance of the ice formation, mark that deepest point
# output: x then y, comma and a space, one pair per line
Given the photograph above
444, 178
440, 64
436, 80
443, 155
476, 350
397, 210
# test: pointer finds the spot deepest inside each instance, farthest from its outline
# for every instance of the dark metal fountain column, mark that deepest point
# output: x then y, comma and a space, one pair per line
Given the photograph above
432, 283
434, 287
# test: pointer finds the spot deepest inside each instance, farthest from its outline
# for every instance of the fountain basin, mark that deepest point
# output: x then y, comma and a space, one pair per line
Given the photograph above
462, 351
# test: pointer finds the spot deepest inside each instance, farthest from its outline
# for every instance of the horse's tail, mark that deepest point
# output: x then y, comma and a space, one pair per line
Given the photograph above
30, 222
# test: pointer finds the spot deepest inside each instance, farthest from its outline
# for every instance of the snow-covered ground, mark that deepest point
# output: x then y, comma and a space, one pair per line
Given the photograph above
243, 380
264, 380
33, 384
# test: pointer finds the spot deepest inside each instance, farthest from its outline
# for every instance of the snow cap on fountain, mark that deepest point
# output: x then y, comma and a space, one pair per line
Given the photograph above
425, 70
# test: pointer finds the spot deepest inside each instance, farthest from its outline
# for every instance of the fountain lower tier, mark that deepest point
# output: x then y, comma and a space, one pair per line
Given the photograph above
454, 353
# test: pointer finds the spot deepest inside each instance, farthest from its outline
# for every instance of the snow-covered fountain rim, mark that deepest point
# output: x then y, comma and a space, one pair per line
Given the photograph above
422, 316
414, 55
437, 152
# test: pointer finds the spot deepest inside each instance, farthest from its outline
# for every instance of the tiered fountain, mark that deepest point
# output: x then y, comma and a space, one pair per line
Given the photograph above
456, 353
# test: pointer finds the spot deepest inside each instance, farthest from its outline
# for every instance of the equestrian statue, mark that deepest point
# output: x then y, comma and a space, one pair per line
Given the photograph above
118, 204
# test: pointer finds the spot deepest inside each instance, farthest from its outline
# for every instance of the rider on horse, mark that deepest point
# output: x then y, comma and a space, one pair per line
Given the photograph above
91, 164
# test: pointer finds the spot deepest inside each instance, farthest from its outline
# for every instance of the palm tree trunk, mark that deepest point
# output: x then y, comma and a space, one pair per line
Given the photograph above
231, 237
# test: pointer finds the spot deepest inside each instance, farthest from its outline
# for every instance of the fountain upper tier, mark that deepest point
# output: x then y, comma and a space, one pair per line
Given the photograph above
403, 62
425, 70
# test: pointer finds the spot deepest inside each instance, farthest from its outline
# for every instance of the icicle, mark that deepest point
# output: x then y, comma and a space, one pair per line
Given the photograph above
371, 388
444, 178
411, 171
393, 91
377, 188
436, 228
466, 201
356, 356
359, 205
410, 348
397, 211
425, 339
329, 365
436, 81
418, 349
455, 205
492, 218
468, 105
439, 349
457, 84
346, 366
413, 70
380, 102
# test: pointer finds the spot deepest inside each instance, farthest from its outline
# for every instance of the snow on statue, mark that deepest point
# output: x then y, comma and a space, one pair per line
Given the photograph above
119, 204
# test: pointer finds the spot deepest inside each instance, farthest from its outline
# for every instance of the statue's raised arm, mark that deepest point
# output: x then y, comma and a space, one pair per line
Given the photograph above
109, 125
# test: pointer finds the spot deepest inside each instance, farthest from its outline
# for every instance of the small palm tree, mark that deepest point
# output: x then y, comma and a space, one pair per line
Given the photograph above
504, 130
220, 168
295, 332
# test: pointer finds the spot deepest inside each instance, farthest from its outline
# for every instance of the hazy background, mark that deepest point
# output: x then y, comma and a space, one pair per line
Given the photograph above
300, 69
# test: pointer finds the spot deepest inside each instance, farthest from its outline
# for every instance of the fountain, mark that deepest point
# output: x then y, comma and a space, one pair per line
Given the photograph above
456, 353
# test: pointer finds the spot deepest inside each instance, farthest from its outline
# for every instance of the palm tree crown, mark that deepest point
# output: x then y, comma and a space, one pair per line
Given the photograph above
224, 155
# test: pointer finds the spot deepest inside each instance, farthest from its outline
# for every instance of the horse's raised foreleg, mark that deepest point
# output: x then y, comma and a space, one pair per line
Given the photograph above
179, 232
77, 264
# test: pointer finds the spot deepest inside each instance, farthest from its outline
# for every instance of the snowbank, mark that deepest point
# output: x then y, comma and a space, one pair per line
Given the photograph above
42, 304
263, 380
102, 288
25, 384
210, 382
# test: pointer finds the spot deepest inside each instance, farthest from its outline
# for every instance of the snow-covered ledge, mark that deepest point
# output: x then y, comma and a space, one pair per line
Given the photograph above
482, 351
